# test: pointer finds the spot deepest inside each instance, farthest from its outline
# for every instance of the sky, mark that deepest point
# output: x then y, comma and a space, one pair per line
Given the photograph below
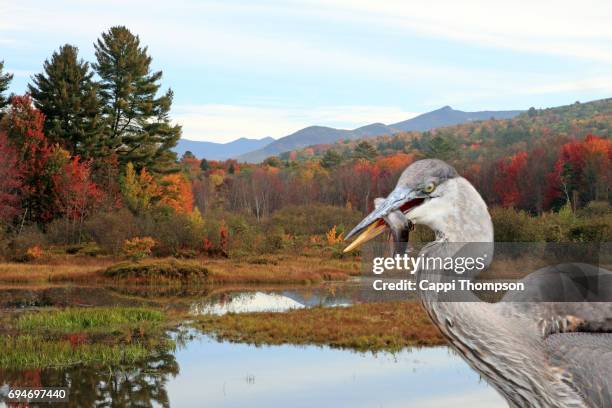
271, 67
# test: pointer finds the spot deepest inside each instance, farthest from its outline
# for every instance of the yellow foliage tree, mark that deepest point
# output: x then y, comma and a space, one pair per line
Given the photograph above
140, 191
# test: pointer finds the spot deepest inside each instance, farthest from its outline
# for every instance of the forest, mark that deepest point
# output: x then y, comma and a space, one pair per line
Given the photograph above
86, 164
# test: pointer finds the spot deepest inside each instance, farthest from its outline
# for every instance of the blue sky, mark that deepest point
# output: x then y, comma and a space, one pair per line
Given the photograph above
268, 68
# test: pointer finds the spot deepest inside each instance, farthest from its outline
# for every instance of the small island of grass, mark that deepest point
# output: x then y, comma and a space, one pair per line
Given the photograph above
389, 326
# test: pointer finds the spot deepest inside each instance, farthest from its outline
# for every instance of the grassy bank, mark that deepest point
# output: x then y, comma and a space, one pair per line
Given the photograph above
33, 351
389, 326
90, 320
59, 338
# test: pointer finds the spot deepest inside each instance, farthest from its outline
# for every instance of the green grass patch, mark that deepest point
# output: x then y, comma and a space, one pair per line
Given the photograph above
154, 269
65, 337
91, 319
32, 351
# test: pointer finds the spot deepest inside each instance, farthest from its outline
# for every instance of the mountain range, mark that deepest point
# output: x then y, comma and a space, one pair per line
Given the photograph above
220, 151
312, 135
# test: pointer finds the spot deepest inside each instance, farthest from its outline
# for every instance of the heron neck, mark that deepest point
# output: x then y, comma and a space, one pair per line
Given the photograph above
467, 218
463, 228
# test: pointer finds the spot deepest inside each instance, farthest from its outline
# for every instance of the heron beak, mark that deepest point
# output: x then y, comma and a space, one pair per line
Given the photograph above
374, 224
369, 233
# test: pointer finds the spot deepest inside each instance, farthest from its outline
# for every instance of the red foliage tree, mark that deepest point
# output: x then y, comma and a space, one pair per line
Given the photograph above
508, 182
76, 194
11, 179
53, 184
24, 127
581, 172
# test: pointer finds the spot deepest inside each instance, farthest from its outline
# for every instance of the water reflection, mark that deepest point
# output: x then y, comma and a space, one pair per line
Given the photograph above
197, 300
258, 301
247, 302
142, 385
215, 374
237, 375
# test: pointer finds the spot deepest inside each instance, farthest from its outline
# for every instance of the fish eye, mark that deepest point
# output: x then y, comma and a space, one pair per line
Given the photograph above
429, 188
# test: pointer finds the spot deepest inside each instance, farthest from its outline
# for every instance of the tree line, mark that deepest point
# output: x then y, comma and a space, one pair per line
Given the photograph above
537, 162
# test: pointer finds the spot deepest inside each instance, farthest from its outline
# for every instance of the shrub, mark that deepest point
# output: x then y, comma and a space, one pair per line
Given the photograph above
87, 248
333, 237
172, 269
244, 235
512, 225
5, 250
138, 248
34, 253
557, 226
110, 230
274, 240
173, 232
595, 209
29, 237
61, 232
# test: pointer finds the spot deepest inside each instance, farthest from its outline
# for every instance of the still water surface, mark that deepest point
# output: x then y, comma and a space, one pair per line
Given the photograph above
203, 372
236, 375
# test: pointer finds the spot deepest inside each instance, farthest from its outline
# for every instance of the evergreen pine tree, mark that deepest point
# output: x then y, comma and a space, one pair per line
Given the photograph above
204, 165
331, 159
138, 125
5, 80
66, 94
364, 150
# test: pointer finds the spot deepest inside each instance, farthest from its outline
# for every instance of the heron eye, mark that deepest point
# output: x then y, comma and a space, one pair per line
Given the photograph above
429, 188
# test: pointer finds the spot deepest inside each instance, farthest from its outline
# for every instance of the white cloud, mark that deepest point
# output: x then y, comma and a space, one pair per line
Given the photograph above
223, 123
567, 28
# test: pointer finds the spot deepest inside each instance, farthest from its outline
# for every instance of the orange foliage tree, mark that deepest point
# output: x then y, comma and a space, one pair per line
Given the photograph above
175, 192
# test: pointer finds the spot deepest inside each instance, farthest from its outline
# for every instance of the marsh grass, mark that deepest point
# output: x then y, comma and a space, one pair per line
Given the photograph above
265, 269
158, 269
65, 337
281, 269
260, 270
89, 320
389, 326
51, 272
33, 351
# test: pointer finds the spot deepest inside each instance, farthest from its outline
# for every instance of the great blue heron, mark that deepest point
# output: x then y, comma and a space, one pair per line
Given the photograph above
536, 354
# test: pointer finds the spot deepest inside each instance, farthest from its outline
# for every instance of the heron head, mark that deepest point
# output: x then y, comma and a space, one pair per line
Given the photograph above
422, 193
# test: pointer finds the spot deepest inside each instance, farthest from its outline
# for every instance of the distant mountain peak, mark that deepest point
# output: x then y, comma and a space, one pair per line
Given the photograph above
316, 135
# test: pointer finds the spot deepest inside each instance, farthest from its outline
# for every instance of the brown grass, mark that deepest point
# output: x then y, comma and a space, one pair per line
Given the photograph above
389, 326
37, 273
279, 269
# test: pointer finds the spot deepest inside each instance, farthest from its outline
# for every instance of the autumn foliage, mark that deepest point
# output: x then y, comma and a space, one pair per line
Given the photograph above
510, 179
138, 248
11, 179
582, 170
176, 193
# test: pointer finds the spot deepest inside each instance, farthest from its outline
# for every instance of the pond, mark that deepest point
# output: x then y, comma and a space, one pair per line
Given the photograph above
205, 372
238, 375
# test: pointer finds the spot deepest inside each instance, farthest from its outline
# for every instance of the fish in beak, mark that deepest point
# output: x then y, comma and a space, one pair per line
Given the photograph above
388, 213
